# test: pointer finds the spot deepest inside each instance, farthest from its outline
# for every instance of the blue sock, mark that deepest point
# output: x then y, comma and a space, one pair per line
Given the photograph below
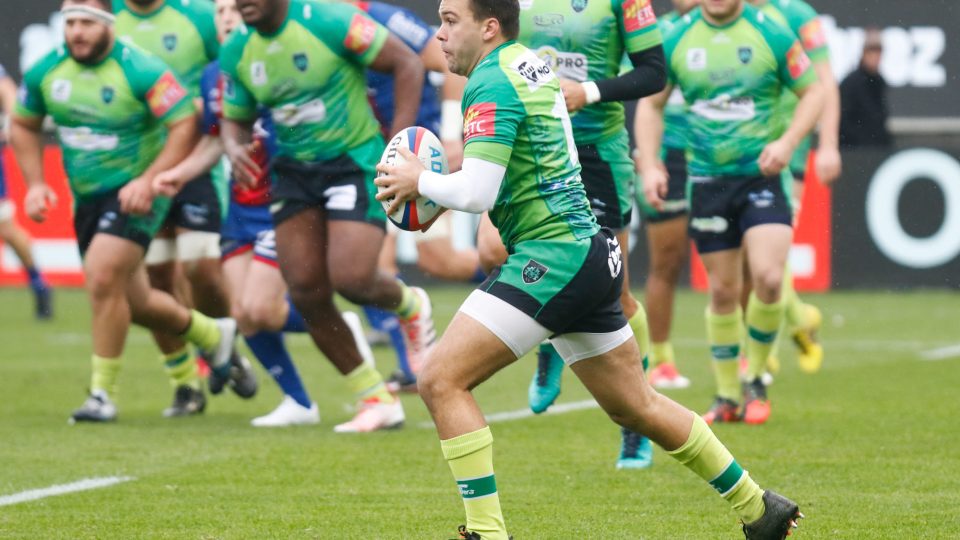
386, 322
36, 280
479, 276
295, 322
272, 353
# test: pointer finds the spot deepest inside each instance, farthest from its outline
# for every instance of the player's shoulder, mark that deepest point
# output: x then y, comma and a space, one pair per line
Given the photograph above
236, 41
679, 26
193, 9
133, 58
46, 63
770, 29
795, 8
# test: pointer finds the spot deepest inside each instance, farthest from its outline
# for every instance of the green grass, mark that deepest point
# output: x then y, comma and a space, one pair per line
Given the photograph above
868, 447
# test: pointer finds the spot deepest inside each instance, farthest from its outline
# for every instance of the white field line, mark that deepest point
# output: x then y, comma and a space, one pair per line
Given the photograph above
943, 353
520, 414
61, 489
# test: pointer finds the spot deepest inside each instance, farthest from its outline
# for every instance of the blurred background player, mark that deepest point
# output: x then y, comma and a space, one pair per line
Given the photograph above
864, 109
738, 204
667, 228
584, 42
802, 321
183, 35
258, 293
142, 122
436, 254
328, 227
11, 233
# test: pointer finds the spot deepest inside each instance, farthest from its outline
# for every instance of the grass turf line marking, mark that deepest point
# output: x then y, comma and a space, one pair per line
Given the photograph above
520, 414
943, 353
62, 489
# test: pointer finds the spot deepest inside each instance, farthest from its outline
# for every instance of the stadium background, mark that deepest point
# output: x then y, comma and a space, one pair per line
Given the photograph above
893, 220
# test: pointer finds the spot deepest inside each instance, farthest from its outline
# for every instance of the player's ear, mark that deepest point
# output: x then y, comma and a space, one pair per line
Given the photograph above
491, 28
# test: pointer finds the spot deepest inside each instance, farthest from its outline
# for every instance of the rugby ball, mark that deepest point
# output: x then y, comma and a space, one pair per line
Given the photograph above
417, 214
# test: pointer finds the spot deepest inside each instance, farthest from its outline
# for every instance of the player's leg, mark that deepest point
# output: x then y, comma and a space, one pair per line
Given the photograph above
18, 240
386, 324
802, 320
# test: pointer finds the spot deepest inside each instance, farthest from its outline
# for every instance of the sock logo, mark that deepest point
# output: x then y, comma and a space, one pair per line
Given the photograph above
475, 488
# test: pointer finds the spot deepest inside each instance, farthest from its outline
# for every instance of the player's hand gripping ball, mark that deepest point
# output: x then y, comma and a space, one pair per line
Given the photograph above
419, 213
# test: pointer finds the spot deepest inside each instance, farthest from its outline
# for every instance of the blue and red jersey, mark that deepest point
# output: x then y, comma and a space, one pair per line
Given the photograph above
413, 31
264, 137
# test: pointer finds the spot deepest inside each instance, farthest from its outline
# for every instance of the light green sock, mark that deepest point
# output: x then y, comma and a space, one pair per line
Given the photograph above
409, 302
763, 322
706, 456
662, 353
366, 382
181, 366
104, 375
202, 331
793, 308
723, 334
470, 457
638, 323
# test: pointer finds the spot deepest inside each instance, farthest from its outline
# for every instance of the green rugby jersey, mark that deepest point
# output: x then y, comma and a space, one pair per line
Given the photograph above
804, 22
110, 116
180, 32
514, 115
310, 74
584, 40
675, 123
732, 78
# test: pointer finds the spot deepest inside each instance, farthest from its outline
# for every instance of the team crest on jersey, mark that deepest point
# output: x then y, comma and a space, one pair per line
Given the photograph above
480, 120
360, 35
170, 42
107, 94
745, 54
578, 5
637, 15
533, 272
300, 61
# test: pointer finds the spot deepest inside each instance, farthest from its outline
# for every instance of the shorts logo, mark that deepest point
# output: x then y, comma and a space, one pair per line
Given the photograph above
715, 224
107, 94
797, 61
300, 61
745, 54
533, 272
170, 42
578, 5
360, 35
480, 120
697, 59
812, 36
106, 220
637, 15
165, 94
615, 259
763, 199
196, 214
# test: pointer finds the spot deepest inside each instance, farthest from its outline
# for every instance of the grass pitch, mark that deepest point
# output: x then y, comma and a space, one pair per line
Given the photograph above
869, 447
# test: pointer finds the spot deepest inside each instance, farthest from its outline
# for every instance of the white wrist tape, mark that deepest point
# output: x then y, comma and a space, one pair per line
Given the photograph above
592, 90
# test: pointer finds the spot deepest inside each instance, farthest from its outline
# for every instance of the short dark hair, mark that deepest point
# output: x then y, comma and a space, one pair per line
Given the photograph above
505, 11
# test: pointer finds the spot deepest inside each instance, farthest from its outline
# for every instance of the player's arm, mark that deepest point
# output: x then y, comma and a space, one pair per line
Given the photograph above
828, 162
8, 97
797, 74
26, 138
201, 160
648, 128
137, 196
407, 70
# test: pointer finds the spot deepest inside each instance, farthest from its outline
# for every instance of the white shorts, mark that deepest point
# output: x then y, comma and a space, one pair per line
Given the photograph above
521, 333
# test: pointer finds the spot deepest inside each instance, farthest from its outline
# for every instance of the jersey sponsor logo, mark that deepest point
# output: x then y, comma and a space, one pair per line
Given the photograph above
165, 94
61, 89
274, 47
300, 61
797, 61
258, 73
526, 4
169, 42
84, 138
812, 35
107, 93
697, 59
573, 66
725, 108
548, 19
715, 224
745, 54
360, 35
480, 120
578, 5
637, 15
533, 272
534, 71
290, 115
407, 28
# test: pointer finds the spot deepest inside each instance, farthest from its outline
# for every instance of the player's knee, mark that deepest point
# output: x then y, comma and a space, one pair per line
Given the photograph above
767, 283
257, 316
104, 282
357, 287
724, 297
311, 299
433, 386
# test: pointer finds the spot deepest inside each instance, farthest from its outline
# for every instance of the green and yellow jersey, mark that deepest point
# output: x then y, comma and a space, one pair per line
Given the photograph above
514, 115
732, 78
310, 74
110, 116
585, 40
